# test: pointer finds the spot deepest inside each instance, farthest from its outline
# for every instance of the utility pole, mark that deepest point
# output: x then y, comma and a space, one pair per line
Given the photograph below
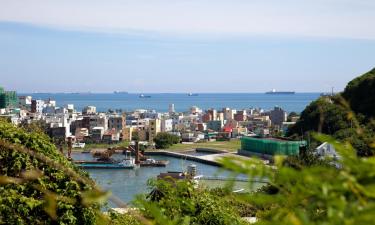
70, 144
137, 161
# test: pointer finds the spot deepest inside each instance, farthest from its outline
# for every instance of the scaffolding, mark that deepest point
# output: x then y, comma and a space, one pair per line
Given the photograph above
7, 98
271, 146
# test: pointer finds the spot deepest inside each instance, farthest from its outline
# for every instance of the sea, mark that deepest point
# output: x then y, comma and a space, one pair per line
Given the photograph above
182, 101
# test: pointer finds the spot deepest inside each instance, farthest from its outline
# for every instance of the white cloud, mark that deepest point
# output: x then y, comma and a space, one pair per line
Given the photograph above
311, 18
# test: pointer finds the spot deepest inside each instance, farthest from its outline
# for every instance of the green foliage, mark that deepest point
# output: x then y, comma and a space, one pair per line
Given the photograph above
347, 116
123, 219
360, 93
322, 115
178, 202
318, 194
164, 140
37, 185
291, 115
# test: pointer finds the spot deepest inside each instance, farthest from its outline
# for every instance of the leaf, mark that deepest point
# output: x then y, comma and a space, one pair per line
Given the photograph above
94, 196
9, 180
50, 205
32, 174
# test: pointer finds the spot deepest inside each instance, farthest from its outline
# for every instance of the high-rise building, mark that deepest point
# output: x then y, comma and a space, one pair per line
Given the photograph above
153, 129
171, 108
278, 116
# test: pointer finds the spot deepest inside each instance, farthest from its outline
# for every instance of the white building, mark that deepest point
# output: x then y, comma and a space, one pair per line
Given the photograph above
195, 110
70, 107
24, 102
100, 120
89, 110
166, 125
39, 106
49, 109
229, 113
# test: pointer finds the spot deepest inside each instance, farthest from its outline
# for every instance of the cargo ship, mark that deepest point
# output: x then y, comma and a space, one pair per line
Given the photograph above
274, 92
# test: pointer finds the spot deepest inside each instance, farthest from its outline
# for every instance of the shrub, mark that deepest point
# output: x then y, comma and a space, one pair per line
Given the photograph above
164, 140
37, 185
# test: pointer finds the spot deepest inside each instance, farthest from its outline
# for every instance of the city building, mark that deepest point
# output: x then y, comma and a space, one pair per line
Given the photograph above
154, 127
89, 110
24, 102
240, 115
229, 113
166, 125
97, 134
278, 116
127, 133
171, 108
215, 125
37, 106
116, 122
99, 120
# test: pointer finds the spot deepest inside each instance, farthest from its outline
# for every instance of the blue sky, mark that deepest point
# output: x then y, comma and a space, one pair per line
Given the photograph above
184, 45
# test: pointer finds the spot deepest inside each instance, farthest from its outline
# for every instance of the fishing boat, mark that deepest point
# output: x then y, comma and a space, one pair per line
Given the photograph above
124, 164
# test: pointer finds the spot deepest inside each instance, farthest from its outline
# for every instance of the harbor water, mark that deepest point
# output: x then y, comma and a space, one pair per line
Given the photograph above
127, 183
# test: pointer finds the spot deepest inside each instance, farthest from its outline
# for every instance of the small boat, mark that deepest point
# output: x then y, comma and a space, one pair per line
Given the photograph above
154, 163
124, 164
144, 96
78, 145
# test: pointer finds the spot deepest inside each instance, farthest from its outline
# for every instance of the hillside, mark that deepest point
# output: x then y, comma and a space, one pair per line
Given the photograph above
348, 116
360, 93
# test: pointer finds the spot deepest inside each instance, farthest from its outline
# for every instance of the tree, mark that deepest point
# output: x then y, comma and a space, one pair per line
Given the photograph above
360, 93
291, 115
322, 115
164, 140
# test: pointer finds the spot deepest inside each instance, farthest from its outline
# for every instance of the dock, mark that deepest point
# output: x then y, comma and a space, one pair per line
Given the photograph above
210, 159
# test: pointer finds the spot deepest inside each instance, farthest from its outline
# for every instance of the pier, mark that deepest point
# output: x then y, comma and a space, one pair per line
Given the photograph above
210, 159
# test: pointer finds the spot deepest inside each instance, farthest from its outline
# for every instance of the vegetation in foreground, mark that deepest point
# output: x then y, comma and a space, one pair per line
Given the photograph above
179, 202
37, 183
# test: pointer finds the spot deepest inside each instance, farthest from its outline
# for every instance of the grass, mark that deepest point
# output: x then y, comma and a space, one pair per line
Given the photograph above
231, 146
102, 146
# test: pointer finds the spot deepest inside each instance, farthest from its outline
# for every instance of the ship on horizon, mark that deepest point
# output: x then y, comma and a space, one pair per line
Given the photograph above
274, 92
120, 92
144, 96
